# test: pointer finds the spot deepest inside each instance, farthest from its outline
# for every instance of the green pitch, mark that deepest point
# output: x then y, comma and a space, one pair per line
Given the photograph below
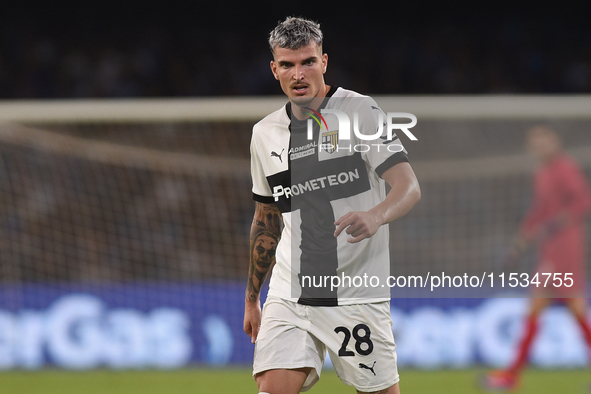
197, 381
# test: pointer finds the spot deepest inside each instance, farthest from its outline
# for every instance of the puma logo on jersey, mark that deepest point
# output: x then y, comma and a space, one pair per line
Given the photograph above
363, 366
275, 154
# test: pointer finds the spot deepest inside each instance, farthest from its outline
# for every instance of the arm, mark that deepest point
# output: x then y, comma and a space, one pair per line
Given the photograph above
405, 193
265, 233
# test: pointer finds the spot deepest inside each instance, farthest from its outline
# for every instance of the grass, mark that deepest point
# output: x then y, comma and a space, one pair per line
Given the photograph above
197, 381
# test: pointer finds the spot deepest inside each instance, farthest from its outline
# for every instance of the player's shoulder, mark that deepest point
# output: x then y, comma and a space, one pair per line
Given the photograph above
567, 162
354, 99
278, 118
342, 92
347, 93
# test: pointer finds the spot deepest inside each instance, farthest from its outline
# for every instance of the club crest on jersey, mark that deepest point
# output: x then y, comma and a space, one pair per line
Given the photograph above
330, 139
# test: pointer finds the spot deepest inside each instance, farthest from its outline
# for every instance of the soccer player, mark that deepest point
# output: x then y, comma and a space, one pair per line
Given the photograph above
556, 221
321, 212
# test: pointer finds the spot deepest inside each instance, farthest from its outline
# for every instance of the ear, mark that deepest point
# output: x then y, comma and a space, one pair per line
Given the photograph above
324, 62
274, 69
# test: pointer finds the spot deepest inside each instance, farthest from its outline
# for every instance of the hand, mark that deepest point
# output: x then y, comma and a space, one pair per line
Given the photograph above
252, 319
359, 225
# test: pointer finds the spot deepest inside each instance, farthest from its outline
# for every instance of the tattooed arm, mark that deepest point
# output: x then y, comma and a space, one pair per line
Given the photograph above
264, 237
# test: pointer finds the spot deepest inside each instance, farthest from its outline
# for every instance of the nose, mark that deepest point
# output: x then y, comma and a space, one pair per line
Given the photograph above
298, 72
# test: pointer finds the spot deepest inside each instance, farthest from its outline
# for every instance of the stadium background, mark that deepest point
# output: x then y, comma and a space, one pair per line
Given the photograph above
124, 237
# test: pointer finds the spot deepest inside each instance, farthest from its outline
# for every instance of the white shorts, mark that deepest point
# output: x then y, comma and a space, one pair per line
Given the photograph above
358, 338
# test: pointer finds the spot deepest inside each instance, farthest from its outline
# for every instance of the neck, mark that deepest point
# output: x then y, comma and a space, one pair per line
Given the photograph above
548, 159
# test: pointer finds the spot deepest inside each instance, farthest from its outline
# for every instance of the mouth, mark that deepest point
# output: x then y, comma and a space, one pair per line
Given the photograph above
300, 89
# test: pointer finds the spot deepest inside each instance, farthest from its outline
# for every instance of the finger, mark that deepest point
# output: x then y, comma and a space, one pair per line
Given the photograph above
354, 228
255, 333
345, 216
358, 238
359, 230
344, 224
342, 227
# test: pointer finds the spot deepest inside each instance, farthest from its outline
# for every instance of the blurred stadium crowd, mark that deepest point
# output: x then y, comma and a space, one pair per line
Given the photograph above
213, 49
66, 217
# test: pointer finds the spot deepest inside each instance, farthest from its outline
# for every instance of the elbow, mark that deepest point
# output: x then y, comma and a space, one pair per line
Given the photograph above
416, 192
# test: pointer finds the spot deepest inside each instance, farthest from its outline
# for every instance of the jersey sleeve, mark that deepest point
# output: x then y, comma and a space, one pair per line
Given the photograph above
382, 153
261, 191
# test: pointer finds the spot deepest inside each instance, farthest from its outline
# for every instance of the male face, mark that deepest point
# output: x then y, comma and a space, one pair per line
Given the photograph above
543, 143
300, 72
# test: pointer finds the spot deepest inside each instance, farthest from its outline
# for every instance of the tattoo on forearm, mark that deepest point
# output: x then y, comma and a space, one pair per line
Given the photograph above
264, 237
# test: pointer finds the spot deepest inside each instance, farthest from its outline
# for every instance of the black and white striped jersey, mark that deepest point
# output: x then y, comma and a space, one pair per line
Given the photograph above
315, 177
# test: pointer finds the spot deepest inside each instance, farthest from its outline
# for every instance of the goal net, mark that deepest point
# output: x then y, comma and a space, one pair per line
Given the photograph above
146, 205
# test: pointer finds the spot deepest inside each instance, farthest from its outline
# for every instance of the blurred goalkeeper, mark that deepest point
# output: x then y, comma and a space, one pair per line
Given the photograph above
556, 222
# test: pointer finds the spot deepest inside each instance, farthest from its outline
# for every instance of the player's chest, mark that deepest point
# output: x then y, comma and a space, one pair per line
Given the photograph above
296, 151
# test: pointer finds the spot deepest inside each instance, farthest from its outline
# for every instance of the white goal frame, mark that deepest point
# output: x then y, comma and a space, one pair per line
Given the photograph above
255, 108
35, 113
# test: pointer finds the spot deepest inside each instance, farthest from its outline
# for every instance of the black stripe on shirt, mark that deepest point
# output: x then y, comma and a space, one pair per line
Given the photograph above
263, 199
396, 158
